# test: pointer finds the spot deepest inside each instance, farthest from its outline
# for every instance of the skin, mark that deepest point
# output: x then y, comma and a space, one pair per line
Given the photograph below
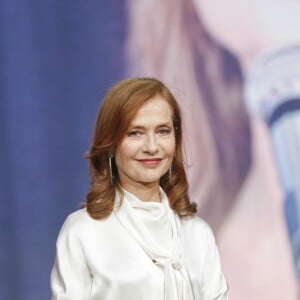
146, 152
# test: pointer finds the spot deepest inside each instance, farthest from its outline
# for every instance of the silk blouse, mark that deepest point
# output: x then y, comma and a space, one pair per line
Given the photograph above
142, 251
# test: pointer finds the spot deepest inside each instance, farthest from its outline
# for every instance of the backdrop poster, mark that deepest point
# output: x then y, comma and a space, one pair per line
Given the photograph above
234, 68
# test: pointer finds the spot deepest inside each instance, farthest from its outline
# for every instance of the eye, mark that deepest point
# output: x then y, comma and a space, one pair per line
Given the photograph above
134, 133
164, 131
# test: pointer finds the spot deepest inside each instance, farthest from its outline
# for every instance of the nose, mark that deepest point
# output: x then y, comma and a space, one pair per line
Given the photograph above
150, 145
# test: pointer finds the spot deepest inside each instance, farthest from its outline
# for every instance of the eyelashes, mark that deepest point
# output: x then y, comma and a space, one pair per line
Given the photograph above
139, 133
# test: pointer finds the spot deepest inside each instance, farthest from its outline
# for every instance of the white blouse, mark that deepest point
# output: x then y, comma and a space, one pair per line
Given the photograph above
142, 251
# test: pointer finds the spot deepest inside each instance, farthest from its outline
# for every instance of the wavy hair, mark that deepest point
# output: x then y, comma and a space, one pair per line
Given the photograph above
117, 110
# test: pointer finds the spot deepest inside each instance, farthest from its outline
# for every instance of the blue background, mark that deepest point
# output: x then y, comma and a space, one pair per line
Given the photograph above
57, 59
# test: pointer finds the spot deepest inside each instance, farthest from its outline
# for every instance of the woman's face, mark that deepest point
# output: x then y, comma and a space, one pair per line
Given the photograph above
248, 27
147, 150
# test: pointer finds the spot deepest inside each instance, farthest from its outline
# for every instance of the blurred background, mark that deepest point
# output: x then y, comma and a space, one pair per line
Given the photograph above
234, 68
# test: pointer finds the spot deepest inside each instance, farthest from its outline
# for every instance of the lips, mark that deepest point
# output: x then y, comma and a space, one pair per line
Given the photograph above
150, 162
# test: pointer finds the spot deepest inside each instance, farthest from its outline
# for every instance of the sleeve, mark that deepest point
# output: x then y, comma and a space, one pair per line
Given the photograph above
213, 286
70, 275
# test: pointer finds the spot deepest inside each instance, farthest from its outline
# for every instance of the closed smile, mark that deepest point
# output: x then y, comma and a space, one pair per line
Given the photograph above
150, 162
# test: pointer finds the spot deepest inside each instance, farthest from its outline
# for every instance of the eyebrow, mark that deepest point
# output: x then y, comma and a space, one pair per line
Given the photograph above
168, 124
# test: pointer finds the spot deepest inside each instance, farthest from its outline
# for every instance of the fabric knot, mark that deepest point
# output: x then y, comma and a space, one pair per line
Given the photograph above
177, 265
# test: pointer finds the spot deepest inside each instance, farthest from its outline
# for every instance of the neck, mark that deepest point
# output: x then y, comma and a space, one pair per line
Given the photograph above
145, 192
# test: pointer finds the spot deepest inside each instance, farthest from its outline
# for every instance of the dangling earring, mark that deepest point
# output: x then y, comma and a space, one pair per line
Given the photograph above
170, 172
110, 156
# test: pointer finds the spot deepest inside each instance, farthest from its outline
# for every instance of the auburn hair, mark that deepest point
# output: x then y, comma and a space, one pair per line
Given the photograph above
116, 112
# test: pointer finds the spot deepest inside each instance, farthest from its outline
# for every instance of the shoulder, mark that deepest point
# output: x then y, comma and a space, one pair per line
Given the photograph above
196, 223
80, 224
77, 219
197, 229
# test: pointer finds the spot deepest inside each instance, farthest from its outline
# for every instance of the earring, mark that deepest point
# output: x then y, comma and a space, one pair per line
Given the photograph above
170, 172
110, 156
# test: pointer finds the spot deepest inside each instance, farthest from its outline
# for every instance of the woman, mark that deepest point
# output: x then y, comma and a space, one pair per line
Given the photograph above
137, 236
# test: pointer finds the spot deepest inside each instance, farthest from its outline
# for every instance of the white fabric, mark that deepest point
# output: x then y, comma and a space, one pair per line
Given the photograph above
157, 230
142, 251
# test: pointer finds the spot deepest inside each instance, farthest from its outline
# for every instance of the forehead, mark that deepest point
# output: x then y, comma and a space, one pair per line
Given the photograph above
156, 109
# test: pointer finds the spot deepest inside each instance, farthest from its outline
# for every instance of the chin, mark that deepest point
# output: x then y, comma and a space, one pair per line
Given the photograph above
148, 180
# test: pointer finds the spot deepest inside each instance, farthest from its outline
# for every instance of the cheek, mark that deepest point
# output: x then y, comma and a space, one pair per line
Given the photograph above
170, 147
121, 155
124, 152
